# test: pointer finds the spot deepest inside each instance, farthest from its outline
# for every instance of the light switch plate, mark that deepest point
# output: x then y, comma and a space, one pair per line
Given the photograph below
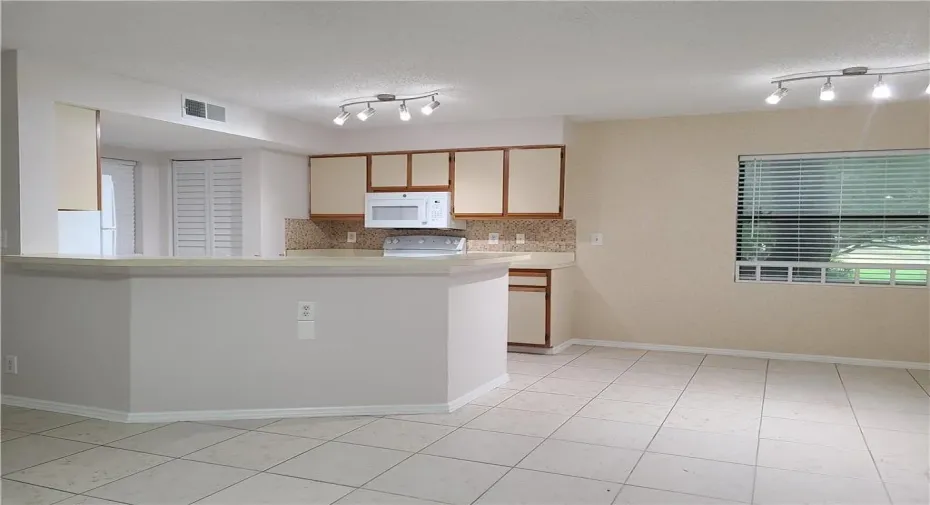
494, 238
306, 330
350, 237
597, 239
521, 238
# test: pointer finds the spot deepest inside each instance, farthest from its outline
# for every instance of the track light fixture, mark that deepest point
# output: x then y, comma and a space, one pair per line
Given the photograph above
826, 91
776, 95
430, 107
341, 118
369, 111
927, 91
404, 113
880, 91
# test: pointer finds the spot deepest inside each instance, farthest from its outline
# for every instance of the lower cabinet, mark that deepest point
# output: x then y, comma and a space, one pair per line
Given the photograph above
539, 313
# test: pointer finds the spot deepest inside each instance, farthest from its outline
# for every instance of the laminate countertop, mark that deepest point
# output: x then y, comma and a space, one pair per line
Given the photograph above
530, 260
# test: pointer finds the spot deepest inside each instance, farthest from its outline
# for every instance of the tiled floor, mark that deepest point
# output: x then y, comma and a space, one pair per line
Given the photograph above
589, 426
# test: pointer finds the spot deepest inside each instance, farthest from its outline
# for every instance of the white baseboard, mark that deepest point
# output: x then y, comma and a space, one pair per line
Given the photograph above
561, 347
67, 408
226, 415
477, 392
840, 360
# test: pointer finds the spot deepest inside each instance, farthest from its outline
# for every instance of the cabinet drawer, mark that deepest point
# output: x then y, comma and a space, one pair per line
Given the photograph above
528, 280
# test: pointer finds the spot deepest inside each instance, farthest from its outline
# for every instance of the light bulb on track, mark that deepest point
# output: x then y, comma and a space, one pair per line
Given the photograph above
365, 114
927, 91
430, 107
404, 113
881, 90
776, 95
342, 117
826, 91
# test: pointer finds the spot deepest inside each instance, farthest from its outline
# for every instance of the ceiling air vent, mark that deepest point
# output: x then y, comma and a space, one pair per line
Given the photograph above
204, 110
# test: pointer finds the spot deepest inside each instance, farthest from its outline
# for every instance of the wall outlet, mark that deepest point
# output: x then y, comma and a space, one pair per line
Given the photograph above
306, 330
11, 364
521, 238
494, 238
306, 311
597, 239
350, 237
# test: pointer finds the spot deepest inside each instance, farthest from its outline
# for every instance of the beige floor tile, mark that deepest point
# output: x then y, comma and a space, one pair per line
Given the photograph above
714, 421
36, 421
86, 500
617, 365
633, 495
714, 479
585, 374
891, 420
527, 487
445, 480
254, 450
806, 393
821, 413
34, 450
912, 404
677, 370
584, 389
910, 493
734, 374
494, 397
87, 470
544, 402
543, 359
900, 456
699, 444
17, 493
178, 439
266, 489
6, 435
521, 381
603, 432
726, 386
175, 482
655, 380
399, 435
641, 394
692, 399
323, 428
460, 417
807, 432
366, 497
615, 353
628, 412
100, 432
672, 357
588, 461
818, 459
739, 363
802, 367
241, 424
537, 369
780, 487
518, 422
577, 350
484, 446
346, 464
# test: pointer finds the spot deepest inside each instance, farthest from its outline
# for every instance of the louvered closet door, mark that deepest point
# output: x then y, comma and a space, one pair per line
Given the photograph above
208, 208
226, 207
124, 187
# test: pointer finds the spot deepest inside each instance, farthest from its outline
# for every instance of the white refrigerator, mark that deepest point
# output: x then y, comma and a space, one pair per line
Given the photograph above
90, 232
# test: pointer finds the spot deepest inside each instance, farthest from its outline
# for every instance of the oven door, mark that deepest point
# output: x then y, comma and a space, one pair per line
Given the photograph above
395, 212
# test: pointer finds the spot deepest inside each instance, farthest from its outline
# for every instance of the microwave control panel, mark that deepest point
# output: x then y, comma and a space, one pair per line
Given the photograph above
435, 210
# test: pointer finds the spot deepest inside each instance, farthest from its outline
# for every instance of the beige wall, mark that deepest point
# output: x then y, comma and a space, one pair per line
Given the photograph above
663, 193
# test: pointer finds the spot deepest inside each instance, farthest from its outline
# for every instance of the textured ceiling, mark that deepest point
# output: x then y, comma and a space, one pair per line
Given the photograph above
494, 60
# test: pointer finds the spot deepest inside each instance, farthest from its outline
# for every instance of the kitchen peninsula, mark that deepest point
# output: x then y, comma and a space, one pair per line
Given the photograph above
149, 339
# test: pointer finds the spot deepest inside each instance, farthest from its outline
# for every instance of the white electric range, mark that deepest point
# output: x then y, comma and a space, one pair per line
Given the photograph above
423, 246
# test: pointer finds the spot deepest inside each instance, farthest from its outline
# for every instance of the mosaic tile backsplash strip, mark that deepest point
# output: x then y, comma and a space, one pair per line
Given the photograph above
542, 235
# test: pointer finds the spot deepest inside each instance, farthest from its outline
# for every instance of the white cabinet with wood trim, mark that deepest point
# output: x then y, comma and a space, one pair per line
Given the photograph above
430, 170
534, 183
389, 171
77, 157
337, 186
540, 307
479, 183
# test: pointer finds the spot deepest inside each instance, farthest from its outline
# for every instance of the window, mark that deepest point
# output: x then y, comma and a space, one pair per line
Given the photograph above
207, 207
836, 218
122, 173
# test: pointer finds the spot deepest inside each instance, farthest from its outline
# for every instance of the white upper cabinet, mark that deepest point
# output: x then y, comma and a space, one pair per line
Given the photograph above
389, 171
535, 181
479, 182
76, 158
338, 186
430, 170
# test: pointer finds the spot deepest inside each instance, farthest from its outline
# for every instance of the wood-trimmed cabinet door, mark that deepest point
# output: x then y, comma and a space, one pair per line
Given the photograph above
535, 179
430, 171
479, 183
337, 187
527, 321
389, 172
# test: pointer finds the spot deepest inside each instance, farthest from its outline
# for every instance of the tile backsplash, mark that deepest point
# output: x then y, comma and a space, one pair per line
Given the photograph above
542, 235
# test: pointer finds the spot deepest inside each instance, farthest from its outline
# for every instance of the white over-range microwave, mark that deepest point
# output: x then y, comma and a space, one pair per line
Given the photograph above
410, 210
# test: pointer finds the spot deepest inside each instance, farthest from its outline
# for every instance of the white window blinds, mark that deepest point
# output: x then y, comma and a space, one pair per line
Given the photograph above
123, 174
208, 207
837, 218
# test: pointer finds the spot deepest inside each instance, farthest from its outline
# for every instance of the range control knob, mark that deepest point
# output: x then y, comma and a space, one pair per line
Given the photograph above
394, 241
448, 241
421, 241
